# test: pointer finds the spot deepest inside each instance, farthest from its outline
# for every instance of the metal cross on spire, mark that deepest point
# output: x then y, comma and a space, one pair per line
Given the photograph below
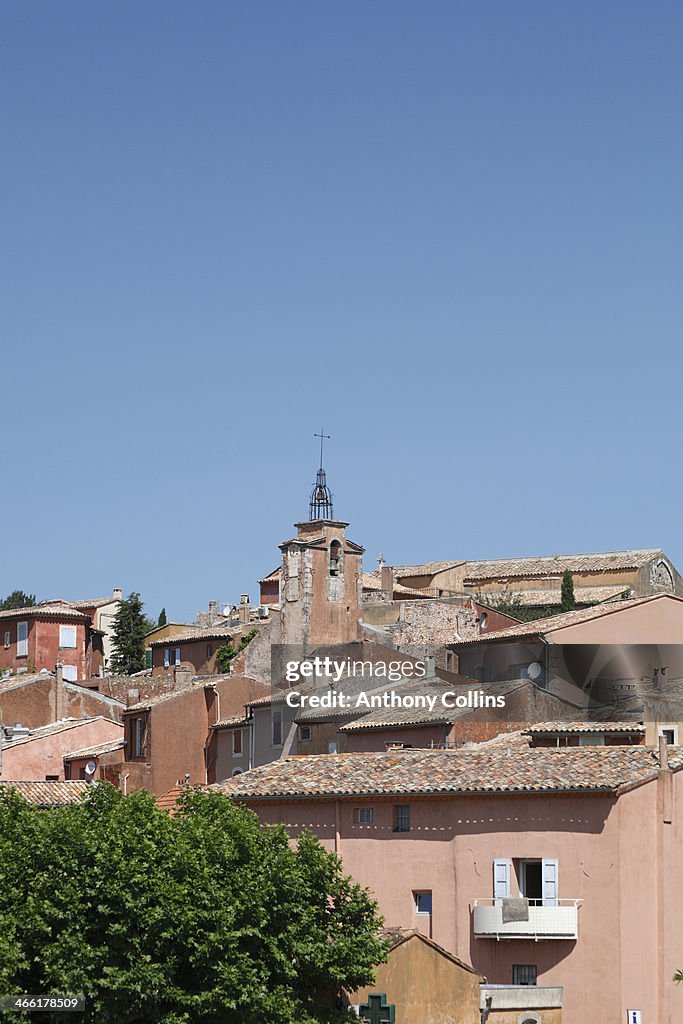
323, 437
320, 505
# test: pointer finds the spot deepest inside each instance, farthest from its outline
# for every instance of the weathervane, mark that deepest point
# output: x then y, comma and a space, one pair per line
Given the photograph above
320, 505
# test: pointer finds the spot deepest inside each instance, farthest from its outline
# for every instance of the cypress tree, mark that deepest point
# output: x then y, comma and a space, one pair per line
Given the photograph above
568, 600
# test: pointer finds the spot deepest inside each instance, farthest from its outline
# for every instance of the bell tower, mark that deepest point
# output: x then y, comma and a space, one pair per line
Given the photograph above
321, 575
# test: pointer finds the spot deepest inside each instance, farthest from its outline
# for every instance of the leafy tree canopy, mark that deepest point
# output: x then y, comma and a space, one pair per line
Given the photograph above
203, 916
17, 599
510, 603
128, 636
227, 652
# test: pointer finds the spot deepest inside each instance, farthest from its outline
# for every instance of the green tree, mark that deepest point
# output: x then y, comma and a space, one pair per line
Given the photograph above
567, 593
18, 599
128, 636
162, 617
227, 652
203, 916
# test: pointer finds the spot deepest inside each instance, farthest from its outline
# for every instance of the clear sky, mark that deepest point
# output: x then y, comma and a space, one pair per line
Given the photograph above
450, 233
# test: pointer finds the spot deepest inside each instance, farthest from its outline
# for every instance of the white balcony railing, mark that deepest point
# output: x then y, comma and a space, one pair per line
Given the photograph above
557, 921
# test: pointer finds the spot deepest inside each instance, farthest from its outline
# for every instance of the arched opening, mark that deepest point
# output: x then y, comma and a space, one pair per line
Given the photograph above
335, 558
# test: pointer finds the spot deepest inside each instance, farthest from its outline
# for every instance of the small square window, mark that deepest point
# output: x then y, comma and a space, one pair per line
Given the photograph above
423, 902
67, 636
524, 974
52, 778
402, 818
363, 815
304, 732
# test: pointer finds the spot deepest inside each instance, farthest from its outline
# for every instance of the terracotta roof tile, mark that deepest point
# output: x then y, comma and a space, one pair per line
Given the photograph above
570, 727
538, 627
96, 750
49, 794
47, 610
450, 772
544, 565
55, 727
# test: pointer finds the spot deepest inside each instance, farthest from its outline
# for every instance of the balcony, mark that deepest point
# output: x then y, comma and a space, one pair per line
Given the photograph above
557, 921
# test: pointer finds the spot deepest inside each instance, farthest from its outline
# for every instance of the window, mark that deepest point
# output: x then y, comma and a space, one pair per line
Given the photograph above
52, 778
592, 739
483, 621
138, 727
538, 881
209, 650
363, 815
237, 742
524, 974
530, 880
67, 636
7, 638
402, 818
670, 735
171, 656
22, 639
304, 732
277, 728
423, 902
236, 771
69, 673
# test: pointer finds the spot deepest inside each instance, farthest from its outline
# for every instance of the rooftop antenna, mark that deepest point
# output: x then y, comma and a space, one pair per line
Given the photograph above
320, 505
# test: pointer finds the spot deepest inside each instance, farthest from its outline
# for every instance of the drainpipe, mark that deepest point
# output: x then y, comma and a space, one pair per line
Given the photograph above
337, 827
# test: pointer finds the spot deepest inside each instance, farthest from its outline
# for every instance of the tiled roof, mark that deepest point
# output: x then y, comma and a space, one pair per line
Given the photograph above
571, 727
96, 750
49, 794
272, 577
47, 610
451, 772
219, 632
553, 596
540, 627
97, 602
54, 727
545, 565
372, 582
426, 569
231, 723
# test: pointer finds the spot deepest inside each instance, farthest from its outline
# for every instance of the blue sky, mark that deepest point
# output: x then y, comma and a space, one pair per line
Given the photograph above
450, 233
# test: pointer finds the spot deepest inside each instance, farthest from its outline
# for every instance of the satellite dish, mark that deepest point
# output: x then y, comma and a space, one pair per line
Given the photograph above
90, 768
534, 670
226, 610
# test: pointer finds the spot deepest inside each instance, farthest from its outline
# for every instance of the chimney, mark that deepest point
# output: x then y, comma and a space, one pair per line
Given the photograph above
59, 693
663, 754
387, 578
245, 610
117, 594
430, 665
213, 610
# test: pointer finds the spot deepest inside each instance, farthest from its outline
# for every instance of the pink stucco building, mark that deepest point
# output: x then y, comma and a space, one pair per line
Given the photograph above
589, 837
38, 754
